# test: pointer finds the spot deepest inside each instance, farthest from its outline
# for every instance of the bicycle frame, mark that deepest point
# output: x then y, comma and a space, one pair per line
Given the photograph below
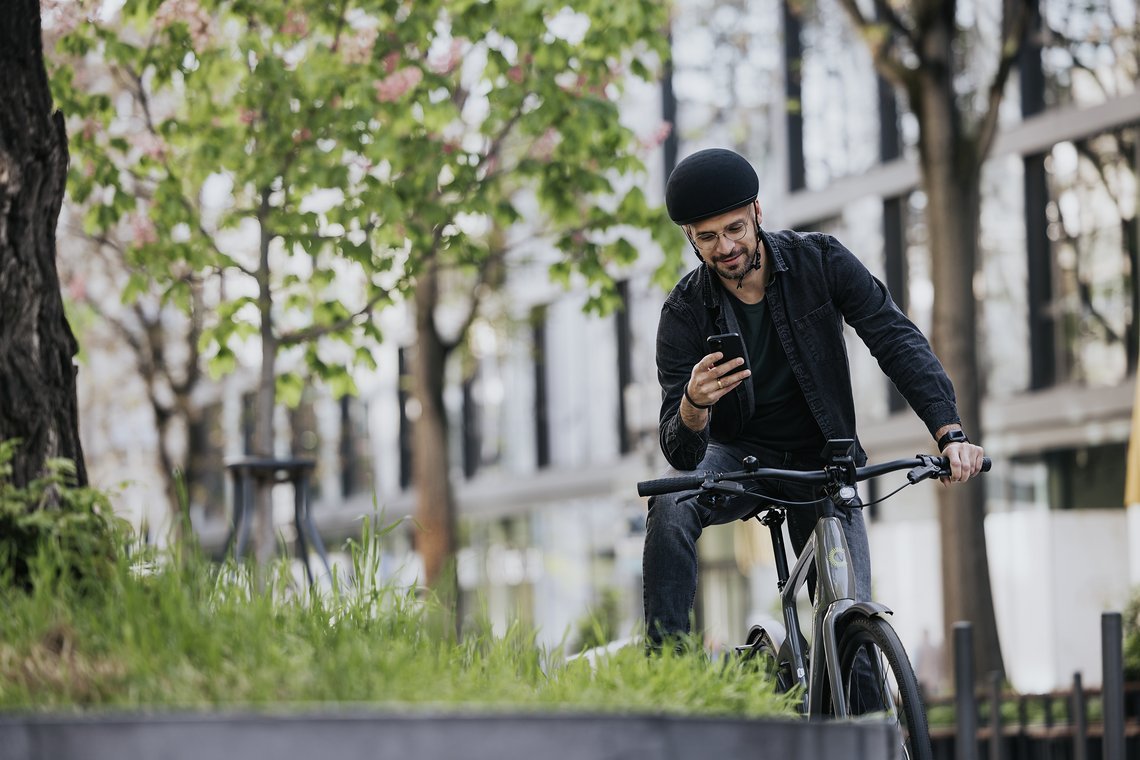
834, 597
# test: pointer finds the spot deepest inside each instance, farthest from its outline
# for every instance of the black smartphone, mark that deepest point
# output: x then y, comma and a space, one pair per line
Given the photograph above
731, 345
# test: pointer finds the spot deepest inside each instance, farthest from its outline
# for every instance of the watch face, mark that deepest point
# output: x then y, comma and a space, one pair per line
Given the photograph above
954, 436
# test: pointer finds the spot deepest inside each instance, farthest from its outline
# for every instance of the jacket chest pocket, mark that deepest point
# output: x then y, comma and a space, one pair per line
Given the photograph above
821, 334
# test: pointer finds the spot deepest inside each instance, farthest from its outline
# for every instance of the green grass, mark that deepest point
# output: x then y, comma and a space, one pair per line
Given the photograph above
187, 634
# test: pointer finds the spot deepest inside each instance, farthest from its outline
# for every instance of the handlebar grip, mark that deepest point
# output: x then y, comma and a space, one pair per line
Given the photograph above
987, 463
669, 485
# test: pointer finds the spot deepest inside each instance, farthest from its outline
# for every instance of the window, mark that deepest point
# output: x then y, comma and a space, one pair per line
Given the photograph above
305, 440
541, 402
404, 400
1092, 227
206, 479
1004, 317
1102, 65
1089, 477
624, 333
355, 465
839, 98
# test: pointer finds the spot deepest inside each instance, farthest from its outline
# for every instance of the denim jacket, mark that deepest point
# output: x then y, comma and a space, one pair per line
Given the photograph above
817, 285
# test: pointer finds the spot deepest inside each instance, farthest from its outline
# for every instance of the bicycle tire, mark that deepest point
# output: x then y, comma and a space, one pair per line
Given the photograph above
895, 691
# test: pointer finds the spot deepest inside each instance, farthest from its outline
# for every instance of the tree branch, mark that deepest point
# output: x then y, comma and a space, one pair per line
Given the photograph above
882, 46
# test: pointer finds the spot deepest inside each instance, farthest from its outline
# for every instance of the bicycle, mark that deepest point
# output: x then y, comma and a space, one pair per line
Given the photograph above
863, 660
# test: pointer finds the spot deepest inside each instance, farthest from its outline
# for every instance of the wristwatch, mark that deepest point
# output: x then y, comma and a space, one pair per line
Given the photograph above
956, 435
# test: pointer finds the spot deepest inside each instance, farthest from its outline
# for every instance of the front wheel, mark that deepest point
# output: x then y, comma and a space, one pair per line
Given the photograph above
878, 679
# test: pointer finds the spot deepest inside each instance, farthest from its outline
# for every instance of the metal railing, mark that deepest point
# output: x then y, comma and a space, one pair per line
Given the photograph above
1054, 725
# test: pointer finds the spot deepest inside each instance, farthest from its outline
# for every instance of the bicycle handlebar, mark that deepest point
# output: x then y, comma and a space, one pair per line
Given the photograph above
935, 466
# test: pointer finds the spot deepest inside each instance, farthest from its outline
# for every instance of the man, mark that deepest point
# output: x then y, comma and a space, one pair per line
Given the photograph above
787, 293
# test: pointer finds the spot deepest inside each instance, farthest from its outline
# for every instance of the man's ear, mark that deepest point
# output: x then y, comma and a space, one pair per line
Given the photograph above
688, 228
759, 211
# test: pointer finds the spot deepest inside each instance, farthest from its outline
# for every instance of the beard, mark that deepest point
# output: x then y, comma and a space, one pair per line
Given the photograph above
736, 264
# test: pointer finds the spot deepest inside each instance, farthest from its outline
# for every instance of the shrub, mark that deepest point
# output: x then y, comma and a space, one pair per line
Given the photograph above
53, 522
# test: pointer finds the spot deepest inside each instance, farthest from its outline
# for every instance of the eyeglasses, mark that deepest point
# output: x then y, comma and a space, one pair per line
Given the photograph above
707, 241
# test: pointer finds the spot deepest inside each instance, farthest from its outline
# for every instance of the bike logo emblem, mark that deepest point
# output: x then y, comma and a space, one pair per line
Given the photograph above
836, 558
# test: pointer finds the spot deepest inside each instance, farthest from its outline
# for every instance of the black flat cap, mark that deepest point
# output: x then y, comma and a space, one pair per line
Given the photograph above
709, 182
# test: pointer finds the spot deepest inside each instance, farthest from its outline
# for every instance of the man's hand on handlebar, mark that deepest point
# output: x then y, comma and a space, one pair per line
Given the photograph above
965, 461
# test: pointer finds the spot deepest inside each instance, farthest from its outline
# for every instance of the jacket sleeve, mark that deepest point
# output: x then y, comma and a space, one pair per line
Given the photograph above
902, 351
679, 347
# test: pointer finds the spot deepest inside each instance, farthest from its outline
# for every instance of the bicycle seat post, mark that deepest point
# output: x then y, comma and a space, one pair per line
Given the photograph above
773, 519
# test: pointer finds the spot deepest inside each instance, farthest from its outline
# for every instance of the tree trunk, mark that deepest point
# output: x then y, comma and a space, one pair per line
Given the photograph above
951, 169
435, 500
265, 404
38, 402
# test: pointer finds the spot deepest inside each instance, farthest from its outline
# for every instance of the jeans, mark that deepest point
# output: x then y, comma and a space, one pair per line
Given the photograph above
675, 522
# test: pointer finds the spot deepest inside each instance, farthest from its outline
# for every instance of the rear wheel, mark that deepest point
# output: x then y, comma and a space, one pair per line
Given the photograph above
878, 680
761, 650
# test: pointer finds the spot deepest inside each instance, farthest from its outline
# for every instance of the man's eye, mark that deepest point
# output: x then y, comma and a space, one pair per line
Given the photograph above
735, 227
706, 237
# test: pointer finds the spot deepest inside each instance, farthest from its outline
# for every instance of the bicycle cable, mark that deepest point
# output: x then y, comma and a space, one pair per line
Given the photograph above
814, 502
782, 503
892, 493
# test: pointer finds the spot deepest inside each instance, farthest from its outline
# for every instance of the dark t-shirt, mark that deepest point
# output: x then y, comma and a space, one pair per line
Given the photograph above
782, 420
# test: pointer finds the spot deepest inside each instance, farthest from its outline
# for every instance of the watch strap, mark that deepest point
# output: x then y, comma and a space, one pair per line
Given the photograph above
952, 436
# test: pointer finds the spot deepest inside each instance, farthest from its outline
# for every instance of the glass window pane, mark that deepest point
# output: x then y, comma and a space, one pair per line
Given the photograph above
1092, 217
839, 98
1002, 288
1103, 64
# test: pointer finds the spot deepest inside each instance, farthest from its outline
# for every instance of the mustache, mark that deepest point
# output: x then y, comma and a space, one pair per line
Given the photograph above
741, 250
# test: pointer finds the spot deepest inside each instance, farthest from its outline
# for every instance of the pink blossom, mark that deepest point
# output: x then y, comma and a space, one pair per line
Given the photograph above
391, 61
296, 23
247, 116
516, 74
90, 128
189, 12
356, 48
445, 63
150, 144
657, 137
77, 289
301, 135
61, 17
543, 147
142, 229
393, 86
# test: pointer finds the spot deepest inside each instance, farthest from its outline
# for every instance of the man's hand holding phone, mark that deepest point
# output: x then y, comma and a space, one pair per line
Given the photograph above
719, 372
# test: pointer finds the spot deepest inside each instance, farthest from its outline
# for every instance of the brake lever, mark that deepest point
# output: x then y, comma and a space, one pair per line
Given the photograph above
930, 468
728, 487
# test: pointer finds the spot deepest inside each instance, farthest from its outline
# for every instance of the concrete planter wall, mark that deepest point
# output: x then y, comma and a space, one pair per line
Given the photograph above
436, 736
